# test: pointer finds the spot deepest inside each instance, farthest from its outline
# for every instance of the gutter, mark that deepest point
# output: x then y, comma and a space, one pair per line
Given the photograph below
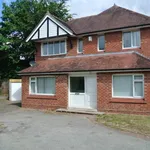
92, 71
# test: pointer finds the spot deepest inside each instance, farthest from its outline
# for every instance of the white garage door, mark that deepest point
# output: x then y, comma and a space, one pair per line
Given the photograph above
83, 92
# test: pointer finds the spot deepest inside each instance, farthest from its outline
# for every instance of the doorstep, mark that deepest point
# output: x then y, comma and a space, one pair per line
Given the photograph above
80, 111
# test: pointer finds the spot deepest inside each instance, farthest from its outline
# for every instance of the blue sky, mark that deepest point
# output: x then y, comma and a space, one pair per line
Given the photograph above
90, 7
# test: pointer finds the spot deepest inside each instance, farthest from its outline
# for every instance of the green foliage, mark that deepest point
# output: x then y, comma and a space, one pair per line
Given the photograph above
18, 20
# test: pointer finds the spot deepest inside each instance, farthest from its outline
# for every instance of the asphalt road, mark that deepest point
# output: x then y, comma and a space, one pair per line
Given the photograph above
22, 129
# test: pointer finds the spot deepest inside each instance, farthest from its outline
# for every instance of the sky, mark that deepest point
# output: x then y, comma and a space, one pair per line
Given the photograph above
91, 7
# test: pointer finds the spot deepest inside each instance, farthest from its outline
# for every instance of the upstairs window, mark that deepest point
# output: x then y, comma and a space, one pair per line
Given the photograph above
80, 45
131, 39
53, 48
101, 42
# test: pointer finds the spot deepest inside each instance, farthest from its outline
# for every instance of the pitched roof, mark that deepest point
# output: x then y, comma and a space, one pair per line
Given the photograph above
100, 62
113, 18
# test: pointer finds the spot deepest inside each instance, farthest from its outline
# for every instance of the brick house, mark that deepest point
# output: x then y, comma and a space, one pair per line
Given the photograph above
99, 62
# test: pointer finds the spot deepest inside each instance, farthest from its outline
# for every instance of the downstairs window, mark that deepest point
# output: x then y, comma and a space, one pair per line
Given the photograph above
42, 85
128, 86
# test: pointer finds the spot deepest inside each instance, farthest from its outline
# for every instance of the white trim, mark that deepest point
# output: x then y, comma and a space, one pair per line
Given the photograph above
54, 20
132, 47
105, 71
53, 48
30, 93
99, 50
78, 45
133, 90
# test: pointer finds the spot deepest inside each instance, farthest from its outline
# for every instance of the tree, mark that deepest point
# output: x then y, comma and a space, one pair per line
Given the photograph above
18, 20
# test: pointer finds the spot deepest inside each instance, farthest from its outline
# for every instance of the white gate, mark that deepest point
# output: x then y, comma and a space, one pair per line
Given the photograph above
15, 90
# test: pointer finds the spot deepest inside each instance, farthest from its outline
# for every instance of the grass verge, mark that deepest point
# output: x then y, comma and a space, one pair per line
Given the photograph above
131, 123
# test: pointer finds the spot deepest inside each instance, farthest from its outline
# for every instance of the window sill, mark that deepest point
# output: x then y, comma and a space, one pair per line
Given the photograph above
53, 55
128, 100
101, 50
131, 48
53, 97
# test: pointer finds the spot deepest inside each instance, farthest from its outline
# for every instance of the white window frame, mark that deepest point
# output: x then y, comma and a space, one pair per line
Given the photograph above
36, 85
78, 46
132, 47
132, 97
53, 47
100, 50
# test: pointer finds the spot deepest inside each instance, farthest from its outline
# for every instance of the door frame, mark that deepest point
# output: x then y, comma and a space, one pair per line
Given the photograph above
79, 75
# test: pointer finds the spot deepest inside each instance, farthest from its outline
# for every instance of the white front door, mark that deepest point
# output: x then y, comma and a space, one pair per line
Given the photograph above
83, 92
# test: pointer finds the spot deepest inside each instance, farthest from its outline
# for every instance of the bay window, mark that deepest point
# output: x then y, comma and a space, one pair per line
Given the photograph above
128, 86
53, 48
42, 85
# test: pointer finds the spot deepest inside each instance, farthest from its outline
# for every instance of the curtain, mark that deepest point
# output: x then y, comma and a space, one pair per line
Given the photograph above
62, 47
45, 48
127, 39
136, 38
102, 42
123, 86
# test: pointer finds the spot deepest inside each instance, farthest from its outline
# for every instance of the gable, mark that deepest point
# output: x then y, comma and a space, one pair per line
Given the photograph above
49, 27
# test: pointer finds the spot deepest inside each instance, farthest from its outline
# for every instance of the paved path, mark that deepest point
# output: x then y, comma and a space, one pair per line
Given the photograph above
22, 129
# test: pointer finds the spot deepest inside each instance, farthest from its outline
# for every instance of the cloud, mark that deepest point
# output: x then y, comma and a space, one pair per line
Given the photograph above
90, 7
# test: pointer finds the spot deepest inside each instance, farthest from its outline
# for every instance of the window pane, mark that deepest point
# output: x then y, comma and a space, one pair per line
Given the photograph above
46, 85
50, 48
80, 45
40, 85
56, 48
33, 79
45, 49
32, 87
77, 84
138, 77
127, 39
122, 86
136, 38
49, 85
138, 89
102, 42
62, 47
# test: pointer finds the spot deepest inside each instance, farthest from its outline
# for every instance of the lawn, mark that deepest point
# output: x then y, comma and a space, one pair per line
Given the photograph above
132, 123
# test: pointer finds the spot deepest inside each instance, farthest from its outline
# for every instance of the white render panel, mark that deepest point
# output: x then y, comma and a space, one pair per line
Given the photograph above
52, 29
43, 30
62, 32
35, 36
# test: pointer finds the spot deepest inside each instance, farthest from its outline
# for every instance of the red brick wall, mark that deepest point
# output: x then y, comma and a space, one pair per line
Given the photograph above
106, 103
60, 100
113, 43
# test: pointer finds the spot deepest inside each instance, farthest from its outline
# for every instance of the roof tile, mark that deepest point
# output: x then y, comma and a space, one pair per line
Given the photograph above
115, 61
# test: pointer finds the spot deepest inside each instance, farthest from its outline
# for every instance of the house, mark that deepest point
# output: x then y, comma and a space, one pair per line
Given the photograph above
99, 62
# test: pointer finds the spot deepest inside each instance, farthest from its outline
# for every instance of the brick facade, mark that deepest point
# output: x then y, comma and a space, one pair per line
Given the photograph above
113, 43
106, 103
60, 100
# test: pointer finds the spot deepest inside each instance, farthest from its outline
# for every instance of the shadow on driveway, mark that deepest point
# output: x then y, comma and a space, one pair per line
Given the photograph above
8, 106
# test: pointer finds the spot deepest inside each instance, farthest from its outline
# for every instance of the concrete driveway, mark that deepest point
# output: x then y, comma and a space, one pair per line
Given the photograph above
22, 129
